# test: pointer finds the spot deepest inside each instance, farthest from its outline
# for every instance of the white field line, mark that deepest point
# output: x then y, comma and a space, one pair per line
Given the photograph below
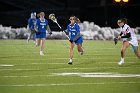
64, 84
101, 75
6, 65
80, 74
18, 69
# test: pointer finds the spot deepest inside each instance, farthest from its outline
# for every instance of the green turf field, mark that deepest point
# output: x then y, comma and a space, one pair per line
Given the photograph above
23, 70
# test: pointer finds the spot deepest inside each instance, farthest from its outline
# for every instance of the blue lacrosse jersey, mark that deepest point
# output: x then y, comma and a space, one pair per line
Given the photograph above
31, 23
42, 25
73, 30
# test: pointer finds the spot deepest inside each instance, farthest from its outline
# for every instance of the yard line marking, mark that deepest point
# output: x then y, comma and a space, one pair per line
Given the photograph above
101, 75
64, 84
25, 76
7, 65
81, 74
17, 69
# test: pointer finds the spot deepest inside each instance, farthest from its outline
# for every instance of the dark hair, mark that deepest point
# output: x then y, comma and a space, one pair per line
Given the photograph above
124, 20
41, 13
77, 20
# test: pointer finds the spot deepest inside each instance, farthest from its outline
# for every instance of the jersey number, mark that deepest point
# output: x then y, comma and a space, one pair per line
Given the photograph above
73, 33
42, 27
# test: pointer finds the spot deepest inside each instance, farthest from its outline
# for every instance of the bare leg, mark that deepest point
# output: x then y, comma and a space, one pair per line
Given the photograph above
137, 53
123, 49
80, 49
124, 46
38, 42
71, 50
42, 44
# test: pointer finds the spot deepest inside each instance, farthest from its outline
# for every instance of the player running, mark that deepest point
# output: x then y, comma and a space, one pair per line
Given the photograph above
31, 26
41, 27
73, 30
128, 38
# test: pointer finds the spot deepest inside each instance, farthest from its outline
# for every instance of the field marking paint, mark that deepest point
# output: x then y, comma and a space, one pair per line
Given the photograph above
80, 74
25, 76
18, 69
64, 84
100, 75
7, 65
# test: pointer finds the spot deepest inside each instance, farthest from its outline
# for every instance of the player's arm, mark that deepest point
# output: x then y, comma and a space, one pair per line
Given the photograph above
36, 27
116, 38
49, 30
66, 31
128, 35
77, 36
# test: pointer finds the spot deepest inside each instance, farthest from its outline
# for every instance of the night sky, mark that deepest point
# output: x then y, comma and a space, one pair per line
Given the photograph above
15, 13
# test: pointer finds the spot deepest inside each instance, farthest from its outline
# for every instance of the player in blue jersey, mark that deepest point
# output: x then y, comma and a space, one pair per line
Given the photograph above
31, 26
41, 27
75, 37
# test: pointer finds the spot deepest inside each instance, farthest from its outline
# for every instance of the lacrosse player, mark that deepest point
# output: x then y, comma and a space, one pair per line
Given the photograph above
73, 30
41, 27
128, 37
31, 26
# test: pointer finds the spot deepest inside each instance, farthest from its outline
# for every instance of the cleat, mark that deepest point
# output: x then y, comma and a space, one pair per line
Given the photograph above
82, 52
121, 62
70, 63
41, 53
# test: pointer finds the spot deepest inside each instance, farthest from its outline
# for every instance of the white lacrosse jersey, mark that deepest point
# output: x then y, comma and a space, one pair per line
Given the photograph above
133, 39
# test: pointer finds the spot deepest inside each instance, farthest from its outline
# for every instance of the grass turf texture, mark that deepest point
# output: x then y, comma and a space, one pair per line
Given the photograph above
23, 70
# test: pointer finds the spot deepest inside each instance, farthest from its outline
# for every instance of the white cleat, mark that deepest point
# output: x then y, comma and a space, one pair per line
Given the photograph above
41, 53
121, 62
70, 62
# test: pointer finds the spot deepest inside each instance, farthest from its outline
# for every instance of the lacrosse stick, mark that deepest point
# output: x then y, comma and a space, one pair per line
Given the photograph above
54, 19
115, 40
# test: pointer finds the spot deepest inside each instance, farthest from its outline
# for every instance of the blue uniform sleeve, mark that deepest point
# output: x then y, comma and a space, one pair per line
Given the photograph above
77, 28
46, 22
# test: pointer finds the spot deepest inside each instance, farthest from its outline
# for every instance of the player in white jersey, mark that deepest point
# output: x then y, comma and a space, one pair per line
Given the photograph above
128, 37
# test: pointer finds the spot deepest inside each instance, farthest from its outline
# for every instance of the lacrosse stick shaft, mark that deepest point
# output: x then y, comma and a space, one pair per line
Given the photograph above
61, 28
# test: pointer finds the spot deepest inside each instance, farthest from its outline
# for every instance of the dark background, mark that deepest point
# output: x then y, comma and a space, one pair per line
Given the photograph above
15, 13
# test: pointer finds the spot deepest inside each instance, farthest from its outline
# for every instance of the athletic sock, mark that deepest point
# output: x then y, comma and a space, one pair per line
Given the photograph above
70, 60
122, 59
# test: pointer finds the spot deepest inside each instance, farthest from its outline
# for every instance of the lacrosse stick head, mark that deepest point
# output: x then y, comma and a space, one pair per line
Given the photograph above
53, 18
